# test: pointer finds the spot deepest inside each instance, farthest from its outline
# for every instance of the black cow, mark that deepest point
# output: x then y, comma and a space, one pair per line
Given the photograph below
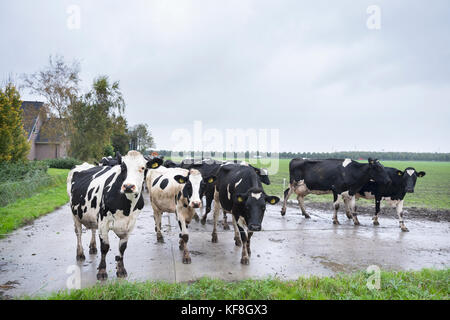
108, 198
342, 177
210, 167
238, 190
403, 182
171, 164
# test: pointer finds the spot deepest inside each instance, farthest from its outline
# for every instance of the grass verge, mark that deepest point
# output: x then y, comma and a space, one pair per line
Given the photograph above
403, 285
23, 211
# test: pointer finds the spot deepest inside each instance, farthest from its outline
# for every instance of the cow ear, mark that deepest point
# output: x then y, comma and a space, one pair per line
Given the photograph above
210, 179
421, 174
371, 161
118, 157
272, 199
180, 179
399, 173
154, 163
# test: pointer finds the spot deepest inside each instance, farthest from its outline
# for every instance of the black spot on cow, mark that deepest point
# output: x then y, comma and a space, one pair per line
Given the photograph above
90, 194
164, 183
156, 181
98, 188
94, 202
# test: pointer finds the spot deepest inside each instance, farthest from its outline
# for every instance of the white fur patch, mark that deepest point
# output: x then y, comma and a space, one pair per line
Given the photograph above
346, 162
410, 172
256, 195
237, 183
228, 192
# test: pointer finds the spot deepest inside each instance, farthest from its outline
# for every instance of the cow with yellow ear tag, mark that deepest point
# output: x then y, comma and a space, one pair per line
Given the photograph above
239, 191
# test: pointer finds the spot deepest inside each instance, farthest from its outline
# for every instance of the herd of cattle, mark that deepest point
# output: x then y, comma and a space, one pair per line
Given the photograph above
109, 195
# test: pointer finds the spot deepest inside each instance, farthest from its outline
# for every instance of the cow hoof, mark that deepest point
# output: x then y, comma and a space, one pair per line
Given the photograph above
336, 222
356, 222
160, 238
349, 216
283, 211
81, 257
245, 261
238, 242
376, 223
186, 260
307, 216
122, 273
203, 221
196, 218
226, 226
404, 229
214, 238
93, 250
102, 275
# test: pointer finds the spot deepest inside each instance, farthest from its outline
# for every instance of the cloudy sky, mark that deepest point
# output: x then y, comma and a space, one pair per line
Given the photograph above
313, 70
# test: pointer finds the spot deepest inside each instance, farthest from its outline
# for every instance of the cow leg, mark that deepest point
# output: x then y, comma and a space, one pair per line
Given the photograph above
93, 244
237, 236
287, 194
336, 198
184, 238
225, 222
216, 217
157, 215
301, 204
209, 199
399, 209
347, 209
377, 210
104, 248
78, 232
244, 258
121, 272
354, 215
248, 243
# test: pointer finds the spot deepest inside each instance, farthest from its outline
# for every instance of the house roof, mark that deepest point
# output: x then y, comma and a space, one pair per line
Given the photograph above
31, 110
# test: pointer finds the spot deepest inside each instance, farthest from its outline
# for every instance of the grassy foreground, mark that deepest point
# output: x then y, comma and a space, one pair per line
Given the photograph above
424, 284
48, 199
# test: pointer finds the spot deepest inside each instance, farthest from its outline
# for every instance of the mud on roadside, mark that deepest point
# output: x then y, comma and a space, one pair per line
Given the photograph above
408, 212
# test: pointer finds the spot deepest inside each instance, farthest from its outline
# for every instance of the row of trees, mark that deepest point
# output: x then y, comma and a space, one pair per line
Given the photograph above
92, 124
396, 156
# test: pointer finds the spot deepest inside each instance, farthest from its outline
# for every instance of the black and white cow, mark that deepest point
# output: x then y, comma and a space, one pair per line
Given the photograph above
210, 167
403, 182
238, 190
344, 178
176, 190
110, 161
171, 164
108, 198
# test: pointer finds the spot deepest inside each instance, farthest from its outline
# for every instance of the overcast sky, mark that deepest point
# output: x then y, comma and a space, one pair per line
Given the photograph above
313, 70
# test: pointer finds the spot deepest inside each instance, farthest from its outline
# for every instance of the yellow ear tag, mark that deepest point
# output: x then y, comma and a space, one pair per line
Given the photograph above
240, 199
155, 165
181, 180
399, 173
272, 201
210, 180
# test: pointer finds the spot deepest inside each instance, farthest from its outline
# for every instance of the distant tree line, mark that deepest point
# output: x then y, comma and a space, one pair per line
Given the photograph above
356, 155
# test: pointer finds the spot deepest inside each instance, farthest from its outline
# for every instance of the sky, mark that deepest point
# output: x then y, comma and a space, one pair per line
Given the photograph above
321, 76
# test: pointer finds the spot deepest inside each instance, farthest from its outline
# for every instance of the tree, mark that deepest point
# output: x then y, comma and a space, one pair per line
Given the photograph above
141, 138
14, 145
120, 139
58, 83
92, 117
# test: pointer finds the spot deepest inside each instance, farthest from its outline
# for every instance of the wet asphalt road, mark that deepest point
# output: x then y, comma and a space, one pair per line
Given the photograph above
35, 259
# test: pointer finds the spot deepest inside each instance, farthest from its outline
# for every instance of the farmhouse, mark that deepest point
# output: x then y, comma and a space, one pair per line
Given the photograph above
41, 131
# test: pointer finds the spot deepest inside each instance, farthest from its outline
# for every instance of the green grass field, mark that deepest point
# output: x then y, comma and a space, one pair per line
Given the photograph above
403, 285
48, 199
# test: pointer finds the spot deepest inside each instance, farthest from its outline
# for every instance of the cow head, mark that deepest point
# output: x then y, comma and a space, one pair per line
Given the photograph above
253, 205
377, 172
409, 178
133, 167
262, 174
194, 185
